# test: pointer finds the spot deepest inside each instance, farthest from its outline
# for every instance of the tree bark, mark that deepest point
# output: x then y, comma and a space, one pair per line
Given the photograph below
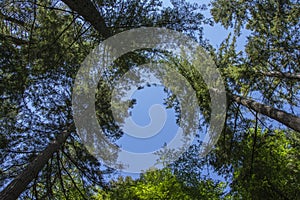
19, 184
281, 116
89, 12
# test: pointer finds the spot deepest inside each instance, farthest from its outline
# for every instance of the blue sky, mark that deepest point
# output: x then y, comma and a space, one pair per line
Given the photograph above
149, 96
215, 34
155, 95
146, 98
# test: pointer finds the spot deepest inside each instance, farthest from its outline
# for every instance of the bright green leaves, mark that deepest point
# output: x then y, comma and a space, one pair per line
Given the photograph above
268, 166
160, 184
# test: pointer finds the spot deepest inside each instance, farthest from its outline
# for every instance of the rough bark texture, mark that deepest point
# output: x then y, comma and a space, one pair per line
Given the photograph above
281, 116
88, 11
19, 184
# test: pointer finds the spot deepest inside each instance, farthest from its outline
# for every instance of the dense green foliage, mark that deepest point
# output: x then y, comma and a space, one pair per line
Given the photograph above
43, 43
160, 184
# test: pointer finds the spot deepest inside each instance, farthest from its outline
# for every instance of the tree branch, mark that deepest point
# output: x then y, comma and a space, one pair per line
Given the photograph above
15, 40
89, 12
278, 74
13, 20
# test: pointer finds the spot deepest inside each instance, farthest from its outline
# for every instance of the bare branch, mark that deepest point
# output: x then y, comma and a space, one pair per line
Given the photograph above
278, 74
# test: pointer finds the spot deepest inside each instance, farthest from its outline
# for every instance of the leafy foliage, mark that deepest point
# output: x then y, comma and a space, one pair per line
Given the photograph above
161, 184
42, 44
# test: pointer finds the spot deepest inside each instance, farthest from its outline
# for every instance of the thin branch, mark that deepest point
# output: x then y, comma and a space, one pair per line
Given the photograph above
60, 177
55, 8
13, 20
65, 29
14, 40
80, 168
31, 30
19, 184
282, 75
48, 177
74, 183
234, 128
254, 143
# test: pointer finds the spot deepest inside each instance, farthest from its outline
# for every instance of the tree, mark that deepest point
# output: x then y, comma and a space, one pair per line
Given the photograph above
269, 65
262, 85
161, 184
254, 151
43, 44
53, 39
270, 166
42, 110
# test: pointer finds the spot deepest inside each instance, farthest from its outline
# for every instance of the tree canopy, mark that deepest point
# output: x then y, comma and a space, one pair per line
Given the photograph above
43, 44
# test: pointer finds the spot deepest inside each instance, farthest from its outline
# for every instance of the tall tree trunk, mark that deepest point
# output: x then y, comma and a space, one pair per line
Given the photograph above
19, 184
281, 116
88, 11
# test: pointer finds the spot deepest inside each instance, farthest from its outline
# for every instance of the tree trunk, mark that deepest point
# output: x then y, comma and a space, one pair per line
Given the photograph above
89, 12
19, 184
281, 116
